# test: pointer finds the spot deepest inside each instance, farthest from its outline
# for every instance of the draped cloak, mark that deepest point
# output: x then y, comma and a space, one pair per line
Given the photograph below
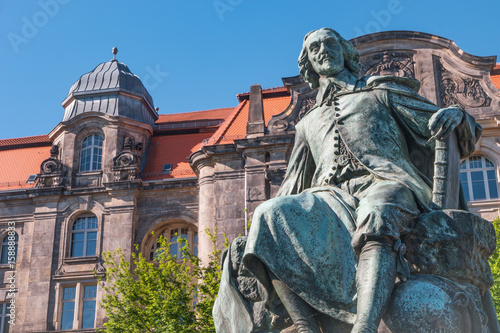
303, 235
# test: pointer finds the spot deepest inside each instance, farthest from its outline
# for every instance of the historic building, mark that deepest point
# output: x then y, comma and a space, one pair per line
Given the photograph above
114, 170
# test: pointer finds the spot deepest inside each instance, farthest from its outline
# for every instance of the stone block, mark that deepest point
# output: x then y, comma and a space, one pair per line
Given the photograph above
453, 244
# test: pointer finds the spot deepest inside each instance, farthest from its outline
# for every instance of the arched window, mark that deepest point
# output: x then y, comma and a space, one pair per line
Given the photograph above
8, 251
91, 153
172, 235
479, 178
84, 237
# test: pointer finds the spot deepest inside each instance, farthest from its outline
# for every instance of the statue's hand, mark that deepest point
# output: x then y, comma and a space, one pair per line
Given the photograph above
444, 121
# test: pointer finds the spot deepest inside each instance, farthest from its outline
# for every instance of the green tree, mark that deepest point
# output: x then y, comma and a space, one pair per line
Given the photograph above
165, 295
495, 269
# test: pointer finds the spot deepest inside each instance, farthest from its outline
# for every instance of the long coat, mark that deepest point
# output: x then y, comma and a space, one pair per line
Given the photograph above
303, 236
381, 123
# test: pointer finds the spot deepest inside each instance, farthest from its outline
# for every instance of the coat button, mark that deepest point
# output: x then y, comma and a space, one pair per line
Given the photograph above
337, 109
336, 153
336, 130
335, 144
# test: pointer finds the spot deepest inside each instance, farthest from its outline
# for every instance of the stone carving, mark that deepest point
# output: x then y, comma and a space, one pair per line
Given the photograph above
255, 194
275, 175
305, 106
51, 170
99, 268
354, 241
125, 159
60, 271
302, 100
454, 89
126, 163
389, 63
279, 126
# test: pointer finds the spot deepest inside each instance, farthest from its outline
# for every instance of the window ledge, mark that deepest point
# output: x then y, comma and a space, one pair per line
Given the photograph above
89, 173
484, 202
80, 260
81, 330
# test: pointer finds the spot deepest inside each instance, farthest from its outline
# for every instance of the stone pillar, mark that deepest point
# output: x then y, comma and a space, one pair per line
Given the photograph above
119, 223
118, 228
255, 179
39, 265
206, 210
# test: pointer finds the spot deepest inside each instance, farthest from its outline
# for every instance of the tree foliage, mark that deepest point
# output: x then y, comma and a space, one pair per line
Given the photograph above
166, 295
495, 269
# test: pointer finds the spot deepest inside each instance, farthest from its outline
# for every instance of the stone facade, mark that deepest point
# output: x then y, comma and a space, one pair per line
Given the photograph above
230, 176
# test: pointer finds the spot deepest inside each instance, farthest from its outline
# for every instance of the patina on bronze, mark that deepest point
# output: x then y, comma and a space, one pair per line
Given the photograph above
326, 253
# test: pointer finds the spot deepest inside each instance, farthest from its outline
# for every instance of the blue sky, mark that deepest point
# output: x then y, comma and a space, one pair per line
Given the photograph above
195, 54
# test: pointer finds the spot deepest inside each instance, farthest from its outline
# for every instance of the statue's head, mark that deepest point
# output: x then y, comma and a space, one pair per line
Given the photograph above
325, 52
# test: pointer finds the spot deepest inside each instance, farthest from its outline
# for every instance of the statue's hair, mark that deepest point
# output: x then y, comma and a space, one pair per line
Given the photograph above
351, 59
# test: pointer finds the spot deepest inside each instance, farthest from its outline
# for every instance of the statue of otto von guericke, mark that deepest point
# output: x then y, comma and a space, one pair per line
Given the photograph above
353, 242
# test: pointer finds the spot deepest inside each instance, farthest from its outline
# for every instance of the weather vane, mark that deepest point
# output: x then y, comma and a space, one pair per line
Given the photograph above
115, 51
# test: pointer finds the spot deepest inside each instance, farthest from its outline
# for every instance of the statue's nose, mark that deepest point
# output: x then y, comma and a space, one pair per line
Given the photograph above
322, 48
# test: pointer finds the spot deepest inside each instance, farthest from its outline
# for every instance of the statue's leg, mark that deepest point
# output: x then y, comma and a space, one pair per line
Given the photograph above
386, 209
375, 280
303, 315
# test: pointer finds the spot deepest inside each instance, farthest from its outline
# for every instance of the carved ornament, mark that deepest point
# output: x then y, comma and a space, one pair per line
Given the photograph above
462, 90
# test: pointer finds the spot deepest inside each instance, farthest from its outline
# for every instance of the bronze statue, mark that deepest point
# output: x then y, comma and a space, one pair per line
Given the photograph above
329, 247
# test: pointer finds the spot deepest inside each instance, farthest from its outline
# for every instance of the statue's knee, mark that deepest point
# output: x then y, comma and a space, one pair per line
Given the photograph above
270, 206
279, 205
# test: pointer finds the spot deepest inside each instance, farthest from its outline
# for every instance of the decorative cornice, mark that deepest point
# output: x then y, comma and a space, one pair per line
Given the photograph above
488, 61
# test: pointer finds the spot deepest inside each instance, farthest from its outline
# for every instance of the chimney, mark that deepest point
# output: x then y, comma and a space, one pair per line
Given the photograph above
255, 125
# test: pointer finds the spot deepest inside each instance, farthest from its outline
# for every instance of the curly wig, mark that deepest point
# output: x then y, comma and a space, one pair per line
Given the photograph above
351, 59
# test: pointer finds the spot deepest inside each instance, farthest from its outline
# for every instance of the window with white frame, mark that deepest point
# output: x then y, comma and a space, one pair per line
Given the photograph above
173, 235
8, 250
4, 318
478, 175
78, 306
84, 237
91, 154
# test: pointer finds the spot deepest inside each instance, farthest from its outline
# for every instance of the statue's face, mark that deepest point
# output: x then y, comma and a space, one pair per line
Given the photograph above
325, 53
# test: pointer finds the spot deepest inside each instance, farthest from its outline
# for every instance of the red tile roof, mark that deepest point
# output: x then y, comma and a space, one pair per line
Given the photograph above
268, 92
495, 76
18, 164
235, 126
197, 115
29, 141
173, 149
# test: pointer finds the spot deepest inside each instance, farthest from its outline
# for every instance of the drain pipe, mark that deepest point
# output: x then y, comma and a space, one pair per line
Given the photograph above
246, 191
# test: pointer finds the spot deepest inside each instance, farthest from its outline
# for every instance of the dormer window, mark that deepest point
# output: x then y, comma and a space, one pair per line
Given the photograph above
91, 154
31, 179
167, 168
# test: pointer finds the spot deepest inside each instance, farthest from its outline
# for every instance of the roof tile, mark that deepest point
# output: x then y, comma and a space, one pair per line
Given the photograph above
18, 164
235, 126
29, 140
495, 76
221, 113
173, 149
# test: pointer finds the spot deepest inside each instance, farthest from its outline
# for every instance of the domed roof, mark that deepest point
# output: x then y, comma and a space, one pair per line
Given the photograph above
108, 75
113, 89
